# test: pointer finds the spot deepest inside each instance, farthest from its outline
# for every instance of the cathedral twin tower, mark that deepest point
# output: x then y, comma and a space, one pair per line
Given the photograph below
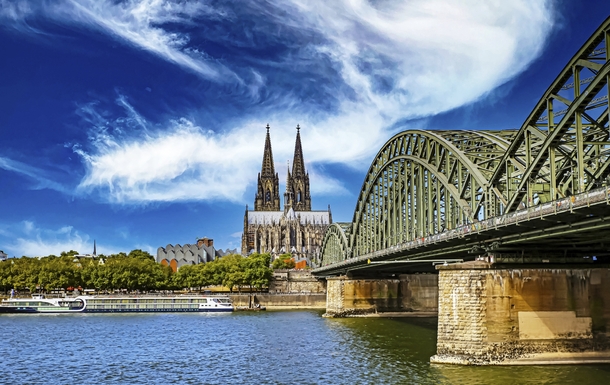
297, 230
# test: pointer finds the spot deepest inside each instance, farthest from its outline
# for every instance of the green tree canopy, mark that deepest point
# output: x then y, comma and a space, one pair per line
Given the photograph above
284, 261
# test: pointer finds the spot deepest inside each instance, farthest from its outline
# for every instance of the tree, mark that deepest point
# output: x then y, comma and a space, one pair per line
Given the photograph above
5, 276
186, 277
137, 253
137, 270
24, 272
256, 270
58, 272
233, 271
284, 261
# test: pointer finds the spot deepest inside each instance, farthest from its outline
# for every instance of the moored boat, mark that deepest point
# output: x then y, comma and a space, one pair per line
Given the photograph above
117, 304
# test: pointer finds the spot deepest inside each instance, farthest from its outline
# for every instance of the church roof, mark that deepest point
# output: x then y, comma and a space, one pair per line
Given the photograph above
271, 217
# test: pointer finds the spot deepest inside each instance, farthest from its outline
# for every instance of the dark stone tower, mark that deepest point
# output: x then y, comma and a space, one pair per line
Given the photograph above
297, 193
268, 193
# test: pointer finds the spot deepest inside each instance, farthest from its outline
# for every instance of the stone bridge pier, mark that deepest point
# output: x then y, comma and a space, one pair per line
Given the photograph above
407, 294
523, 314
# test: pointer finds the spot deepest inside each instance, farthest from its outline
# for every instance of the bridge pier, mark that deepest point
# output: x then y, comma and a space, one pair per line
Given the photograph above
406, 294
514, 315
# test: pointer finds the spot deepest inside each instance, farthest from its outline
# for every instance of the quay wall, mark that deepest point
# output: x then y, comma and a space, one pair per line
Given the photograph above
296, 281
288, 289
281, 301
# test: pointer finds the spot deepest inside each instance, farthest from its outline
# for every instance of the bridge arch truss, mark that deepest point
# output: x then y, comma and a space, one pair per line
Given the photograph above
423, 183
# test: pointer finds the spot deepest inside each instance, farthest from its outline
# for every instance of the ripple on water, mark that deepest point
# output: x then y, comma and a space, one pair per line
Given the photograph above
292, 347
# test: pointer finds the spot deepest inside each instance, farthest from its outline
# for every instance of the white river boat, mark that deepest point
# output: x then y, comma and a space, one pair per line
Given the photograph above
117, 304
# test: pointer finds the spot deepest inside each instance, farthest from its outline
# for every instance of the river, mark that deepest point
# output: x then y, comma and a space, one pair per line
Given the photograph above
287, 347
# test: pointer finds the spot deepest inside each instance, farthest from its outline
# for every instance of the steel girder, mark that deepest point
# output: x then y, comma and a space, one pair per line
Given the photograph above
423, 183
335, 246
563, 147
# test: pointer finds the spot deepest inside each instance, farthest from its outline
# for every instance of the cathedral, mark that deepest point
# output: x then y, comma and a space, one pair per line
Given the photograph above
295, 230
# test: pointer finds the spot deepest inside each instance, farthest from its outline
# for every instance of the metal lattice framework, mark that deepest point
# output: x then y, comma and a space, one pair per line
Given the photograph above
563, 146
423, 183
336, 243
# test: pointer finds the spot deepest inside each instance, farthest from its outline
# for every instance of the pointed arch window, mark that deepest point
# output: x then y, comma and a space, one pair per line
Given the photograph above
268, 196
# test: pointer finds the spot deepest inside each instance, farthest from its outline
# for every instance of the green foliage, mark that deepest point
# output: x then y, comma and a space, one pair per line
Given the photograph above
230, 271
140, 254
284, 261
6, 282
134, 271
257, 272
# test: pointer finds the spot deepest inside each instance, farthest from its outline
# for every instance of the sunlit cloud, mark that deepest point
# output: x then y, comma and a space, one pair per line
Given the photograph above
417, 58
182, 161
374, 66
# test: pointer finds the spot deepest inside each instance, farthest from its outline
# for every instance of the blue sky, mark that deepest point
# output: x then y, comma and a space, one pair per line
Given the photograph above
141, 123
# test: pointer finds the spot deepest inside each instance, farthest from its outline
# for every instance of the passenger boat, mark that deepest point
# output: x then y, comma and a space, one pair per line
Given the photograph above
117, 304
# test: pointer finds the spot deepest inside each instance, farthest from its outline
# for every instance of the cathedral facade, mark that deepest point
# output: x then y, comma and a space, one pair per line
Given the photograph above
295, 229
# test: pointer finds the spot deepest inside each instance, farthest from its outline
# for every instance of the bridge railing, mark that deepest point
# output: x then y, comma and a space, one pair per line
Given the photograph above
540, 211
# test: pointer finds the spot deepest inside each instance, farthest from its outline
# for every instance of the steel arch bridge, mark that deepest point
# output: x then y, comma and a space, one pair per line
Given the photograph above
423, 186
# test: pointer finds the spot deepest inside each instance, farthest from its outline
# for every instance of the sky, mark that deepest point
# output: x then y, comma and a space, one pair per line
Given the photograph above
141, 123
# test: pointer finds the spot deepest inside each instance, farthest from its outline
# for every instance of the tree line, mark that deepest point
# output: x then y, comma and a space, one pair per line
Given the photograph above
137, 270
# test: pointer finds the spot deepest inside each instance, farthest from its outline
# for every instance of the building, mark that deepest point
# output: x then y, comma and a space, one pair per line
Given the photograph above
201, 252
295, 230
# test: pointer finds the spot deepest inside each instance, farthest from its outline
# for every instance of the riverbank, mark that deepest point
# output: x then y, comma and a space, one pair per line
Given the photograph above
281, 301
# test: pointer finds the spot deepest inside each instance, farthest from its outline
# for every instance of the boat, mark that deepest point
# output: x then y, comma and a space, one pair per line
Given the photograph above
117, 304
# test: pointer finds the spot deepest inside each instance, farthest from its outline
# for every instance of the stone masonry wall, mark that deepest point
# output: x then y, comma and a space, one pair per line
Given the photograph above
461, 312
419, 292
334, 295
490, 314
296, 281
281, 301
415, 292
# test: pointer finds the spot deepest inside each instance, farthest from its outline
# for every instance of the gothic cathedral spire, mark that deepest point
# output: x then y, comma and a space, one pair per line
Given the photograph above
297, 193
268, 193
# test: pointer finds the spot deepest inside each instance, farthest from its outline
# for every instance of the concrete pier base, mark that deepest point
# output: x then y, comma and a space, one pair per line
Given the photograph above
408, 293
523, 315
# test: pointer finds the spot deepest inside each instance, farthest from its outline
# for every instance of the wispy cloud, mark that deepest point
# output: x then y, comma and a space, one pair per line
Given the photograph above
29, 239
145, 24
367, 67
34, 174
182, 161
422, 57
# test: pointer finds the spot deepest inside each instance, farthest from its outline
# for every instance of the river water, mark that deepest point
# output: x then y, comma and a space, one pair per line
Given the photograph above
288, 347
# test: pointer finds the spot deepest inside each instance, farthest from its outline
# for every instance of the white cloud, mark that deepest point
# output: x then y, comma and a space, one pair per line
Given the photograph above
29, 239
421, 57
180, 163
183, 162
136, 22
396, 61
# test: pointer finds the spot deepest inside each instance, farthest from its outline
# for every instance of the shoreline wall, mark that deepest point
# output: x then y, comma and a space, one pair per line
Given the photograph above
281, 301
